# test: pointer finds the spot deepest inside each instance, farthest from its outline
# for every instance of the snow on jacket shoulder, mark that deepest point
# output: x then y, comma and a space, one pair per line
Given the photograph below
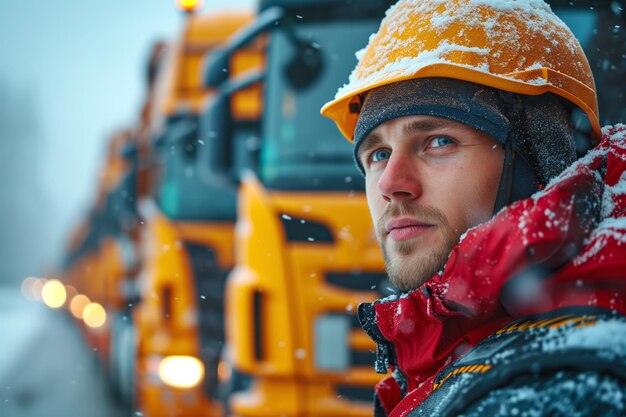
564, 246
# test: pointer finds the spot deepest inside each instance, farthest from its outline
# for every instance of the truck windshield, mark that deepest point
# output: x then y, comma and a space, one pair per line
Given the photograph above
301, 150
185, 193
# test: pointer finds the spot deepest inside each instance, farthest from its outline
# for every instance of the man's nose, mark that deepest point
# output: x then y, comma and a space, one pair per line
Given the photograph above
400, 179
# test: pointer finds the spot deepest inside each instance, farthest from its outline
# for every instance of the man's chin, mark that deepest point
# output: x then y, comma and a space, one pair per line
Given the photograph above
408, 269
406, 284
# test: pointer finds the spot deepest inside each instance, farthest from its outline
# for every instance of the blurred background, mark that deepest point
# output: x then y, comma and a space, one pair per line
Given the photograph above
71, 73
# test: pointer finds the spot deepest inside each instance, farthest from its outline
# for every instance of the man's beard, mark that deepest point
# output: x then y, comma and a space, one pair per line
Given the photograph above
408, 272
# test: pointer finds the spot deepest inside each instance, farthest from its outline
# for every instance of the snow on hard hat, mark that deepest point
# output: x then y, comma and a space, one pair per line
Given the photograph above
512, 45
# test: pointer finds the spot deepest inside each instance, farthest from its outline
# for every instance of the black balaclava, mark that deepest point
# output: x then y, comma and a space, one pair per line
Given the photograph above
534, 131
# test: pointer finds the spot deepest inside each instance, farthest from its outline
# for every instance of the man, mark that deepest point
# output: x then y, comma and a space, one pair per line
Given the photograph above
511, 255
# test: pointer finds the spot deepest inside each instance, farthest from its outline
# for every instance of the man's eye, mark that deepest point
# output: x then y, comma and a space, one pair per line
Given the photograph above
440, 141
380, 155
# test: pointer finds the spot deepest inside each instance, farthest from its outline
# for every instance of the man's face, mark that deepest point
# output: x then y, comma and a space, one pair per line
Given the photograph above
428, 179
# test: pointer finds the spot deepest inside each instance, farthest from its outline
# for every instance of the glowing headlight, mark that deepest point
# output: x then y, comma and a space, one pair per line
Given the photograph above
53, 294
94, 315
181, 371
78, 304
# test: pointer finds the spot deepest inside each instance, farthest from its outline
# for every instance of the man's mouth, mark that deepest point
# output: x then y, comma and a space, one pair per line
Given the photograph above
405, 228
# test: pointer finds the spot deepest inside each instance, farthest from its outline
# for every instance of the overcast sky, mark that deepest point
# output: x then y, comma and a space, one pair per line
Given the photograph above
71, 72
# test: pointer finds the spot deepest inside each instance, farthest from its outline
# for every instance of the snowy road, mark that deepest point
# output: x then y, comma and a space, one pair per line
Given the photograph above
46, 370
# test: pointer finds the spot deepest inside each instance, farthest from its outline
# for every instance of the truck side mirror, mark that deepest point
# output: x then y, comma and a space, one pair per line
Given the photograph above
306, 64
215, 153
217, 69
129, 151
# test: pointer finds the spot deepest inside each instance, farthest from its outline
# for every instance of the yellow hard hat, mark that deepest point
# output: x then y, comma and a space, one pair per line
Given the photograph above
511, 45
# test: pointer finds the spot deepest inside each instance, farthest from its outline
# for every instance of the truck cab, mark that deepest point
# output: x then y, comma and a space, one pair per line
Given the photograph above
187, 239
306, 254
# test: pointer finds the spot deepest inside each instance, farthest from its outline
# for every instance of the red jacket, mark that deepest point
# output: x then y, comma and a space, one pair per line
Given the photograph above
564, 246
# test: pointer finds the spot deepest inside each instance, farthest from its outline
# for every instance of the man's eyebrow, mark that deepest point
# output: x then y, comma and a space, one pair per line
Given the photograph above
421, 126
370, 141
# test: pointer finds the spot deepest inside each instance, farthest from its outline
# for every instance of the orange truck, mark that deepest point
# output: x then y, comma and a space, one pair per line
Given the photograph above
187, 242
306, 254
98, 256
102, 259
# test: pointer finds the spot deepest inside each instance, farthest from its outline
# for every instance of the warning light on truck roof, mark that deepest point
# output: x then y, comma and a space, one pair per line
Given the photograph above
188, 5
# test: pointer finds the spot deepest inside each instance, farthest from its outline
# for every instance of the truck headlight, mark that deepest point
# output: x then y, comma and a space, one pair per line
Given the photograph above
181, 371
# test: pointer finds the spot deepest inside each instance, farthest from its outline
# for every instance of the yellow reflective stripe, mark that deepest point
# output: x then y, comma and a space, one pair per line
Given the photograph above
564, 322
